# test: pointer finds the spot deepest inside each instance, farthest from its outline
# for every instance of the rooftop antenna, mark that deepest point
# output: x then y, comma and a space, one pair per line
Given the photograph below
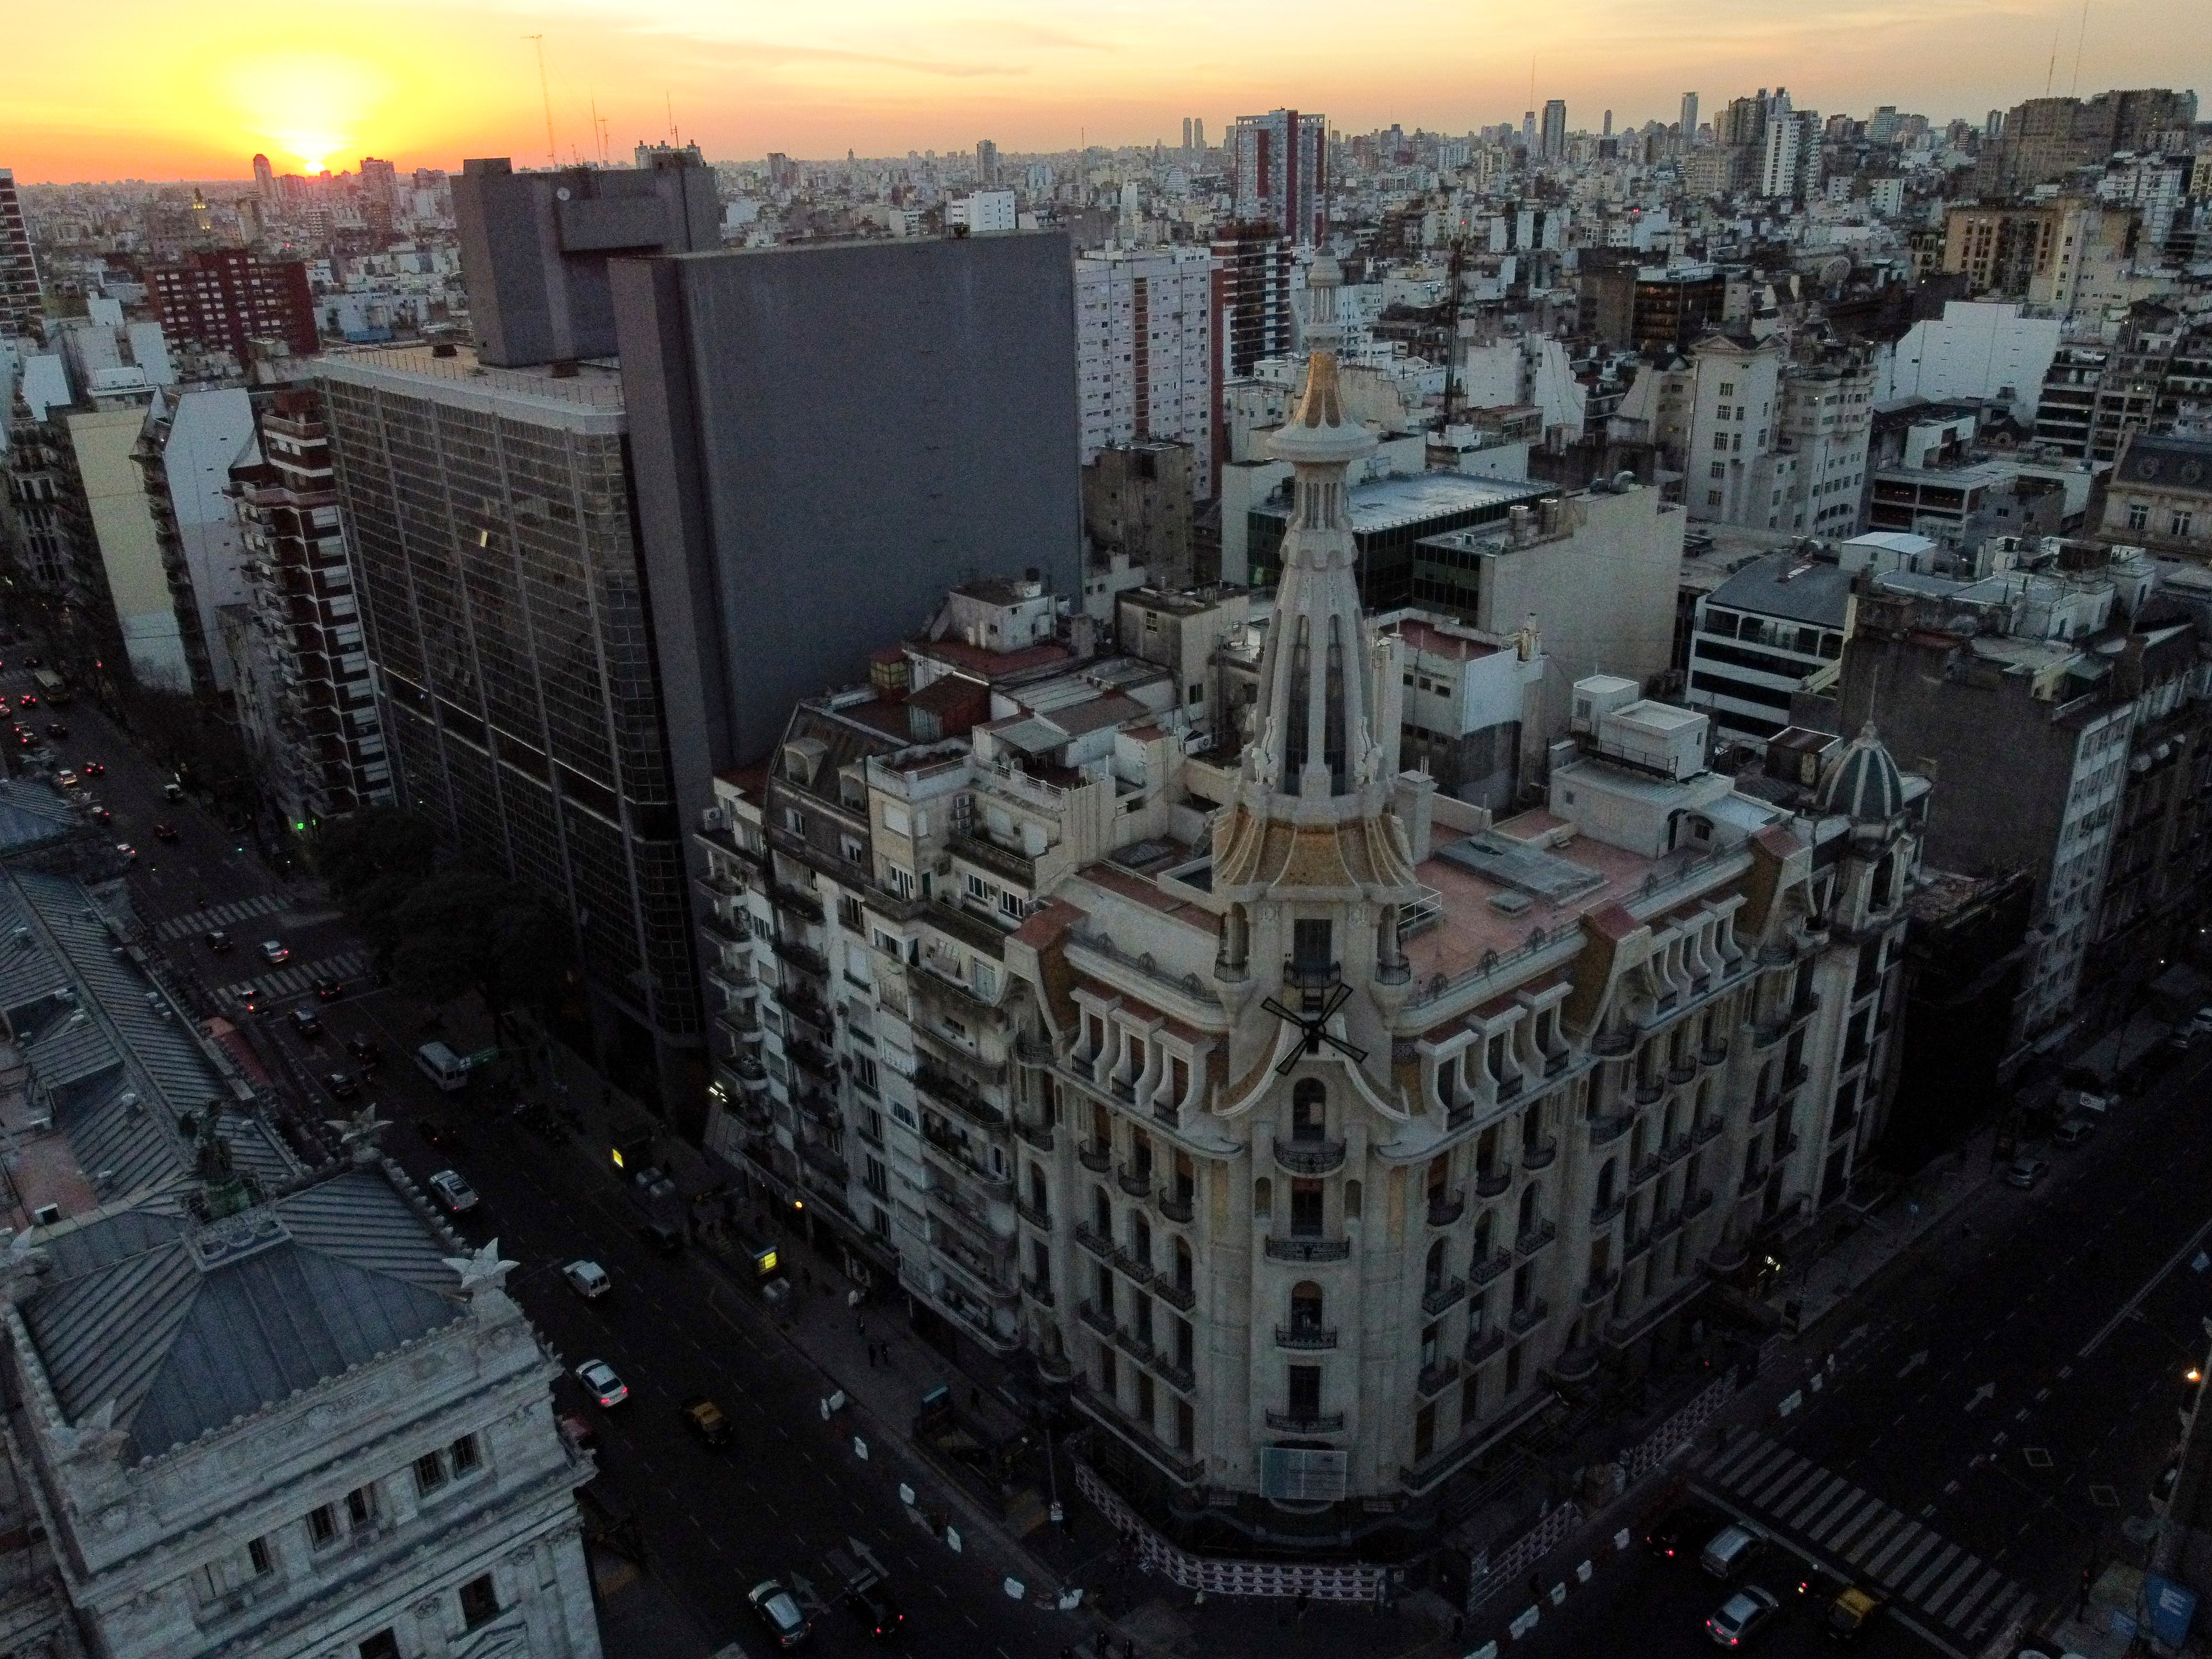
552, 153
669, 100
2075, 90
598, 128
2052, 73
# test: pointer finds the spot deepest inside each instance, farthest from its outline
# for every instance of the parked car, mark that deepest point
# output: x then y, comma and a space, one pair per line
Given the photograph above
598, 1378
2073, 1132
216, 941
1852, 1613
454, 1192
587, 1278
57, 731
341, 1085
778, 1608
1677, 1533
101, 816
65, 778
2025, 1171
307, 1024
704, 1418
275, 953
1730, 1550
1741, 1616
164, 830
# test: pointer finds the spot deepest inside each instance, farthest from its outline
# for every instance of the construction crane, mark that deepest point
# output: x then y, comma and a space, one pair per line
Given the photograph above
1451, 332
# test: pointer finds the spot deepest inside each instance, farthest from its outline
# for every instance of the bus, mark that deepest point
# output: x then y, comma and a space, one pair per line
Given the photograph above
52, 687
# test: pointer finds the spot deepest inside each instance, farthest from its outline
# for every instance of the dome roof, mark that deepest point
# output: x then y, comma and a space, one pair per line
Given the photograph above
1863, 783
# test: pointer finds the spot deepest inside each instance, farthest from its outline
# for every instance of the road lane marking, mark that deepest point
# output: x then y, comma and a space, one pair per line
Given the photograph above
2137, 1299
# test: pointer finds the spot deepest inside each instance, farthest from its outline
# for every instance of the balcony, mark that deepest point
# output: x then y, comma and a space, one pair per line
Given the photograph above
1604, 1131
1704, 1130
1684, 1070
1137, 1347
787, 897
1177, 1295
1534, 1239
1576, 1365
1534, 1159
1309, 1249
1099, 1246
949, 1093
1436, 1378
1311, 976
799, 956
1036, 1214
1599, 1287
1038, 1291
1038, 1135
1752, 1182
1482, 1343
1492, 1182
1096, 1157
1767, 1108
1529, 1315
1101, 1323
1304, 1336
1713, 1053
1306, 1422
1652, 1163
1603, 1215
1490, 1267
1137, 1183
1440, 1296
1180, 1378
1135, 1268
1611, 1045
1650, 1091
1176, 1206
1310, 1157
1445, 1208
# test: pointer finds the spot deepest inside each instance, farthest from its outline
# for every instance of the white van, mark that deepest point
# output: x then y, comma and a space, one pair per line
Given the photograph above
442, 1066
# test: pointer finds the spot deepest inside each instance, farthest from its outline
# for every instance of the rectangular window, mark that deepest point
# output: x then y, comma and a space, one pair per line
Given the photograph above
1305, 1390
429, 1473
1311, 943
479, 1601
2138, 515
382, 1645
466, 1455
323, 1525
360, 1505
258, 1557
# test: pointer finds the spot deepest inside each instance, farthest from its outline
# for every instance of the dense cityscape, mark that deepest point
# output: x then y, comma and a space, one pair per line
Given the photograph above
1308, 893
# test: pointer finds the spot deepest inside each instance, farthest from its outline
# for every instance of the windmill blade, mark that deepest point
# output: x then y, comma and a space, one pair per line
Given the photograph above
1290, 1059
1272, 1006
1359, 1056
1338, 998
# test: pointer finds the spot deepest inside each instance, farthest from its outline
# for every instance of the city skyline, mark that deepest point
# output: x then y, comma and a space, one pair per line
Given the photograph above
882, 80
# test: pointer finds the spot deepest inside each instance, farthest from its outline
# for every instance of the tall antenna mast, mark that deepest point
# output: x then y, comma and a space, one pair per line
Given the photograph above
2080, 40
552, 152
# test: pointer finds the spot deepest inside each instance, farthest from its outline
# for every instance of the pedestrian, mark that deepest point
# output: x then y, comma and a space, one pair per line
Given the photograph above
1128, 1649
1459, 1628
1535, 1587
1098, 1642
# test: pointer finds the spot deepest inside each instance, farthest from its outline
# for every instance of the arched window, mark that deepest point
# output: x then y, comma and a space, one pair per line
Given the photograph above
1352, 1200
1309, 1109
1605, 1179
1527, 1208
1305, 1307
1432, 1275
1102, 1212
1482, 1228
1263, 1197
1140, 1236
1184, 1270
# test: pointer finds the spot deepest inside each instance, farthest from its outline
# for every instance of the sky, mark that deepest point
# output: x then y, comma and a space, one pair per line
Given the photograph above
159, 90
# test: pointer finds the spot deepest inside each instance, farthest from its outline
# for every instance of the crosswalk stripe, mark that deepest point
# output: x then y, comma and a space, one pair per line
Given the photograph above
1862, 1552
1733, 1459
1989, 1581
1849, 1506
1936, 1563
1936, 1604
1807, 1510
1875, 1515
1892, 1564
1757, 1469
1770, 1479
1787, 1498
2015, 1608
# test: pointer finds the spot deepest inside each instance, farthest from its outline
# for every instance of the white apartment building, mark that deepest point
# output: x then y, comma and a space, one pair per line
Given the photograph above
1773, 630
1316, 1130
1978, 349
983, 213
1145, 350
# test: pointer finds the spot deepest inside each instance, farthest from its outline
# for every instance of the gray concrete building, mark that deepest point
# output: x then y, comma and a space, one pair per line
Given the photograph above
825, 440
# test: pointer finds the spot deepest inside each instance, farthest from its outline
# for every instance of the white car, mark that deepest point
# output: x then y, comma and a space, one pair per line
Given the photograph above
454, 1191
275, 951
598, 1378
588, 1279
65, 778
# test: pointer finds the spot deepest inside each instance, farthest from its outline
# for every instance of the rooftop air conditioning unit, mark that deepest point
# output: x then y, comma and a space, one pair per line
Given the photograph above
47, 1214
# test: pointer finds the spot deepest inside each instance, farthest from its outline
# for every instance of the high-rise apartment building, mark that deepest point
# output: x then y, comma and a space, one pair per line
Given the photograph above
503, 596
1281, 162
306, 704
1789, 169
219, 300
20, 305
1143, 350
986, 164
186, 451
1554, 138
264, 181
1688, 129
2043, 140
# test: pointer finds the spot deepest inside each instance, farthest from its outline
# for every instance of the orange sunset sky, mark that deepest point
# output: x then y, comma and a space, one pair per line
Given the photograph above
151, 88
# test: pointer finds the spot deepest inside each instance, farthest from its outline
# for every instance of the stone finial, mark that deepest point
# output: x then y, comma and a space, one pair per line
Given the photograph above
359, 1134
483, 1271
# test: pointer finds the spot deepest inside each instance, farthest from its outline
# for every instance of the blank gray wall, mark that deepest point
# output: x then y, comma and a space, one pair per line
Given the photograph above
825, 439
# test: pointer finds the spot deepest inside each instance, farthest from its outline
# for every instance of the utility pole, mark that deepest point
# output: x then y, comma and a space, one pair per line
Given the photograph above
552, 153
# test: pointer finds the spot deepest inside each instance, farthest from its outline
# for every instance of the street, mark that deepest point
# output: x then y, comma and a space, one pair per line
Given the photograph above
711, 1525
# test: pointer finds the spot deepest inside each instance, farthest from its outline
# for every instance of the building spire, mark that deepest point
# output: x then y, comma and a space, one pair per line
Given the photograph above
1315, 737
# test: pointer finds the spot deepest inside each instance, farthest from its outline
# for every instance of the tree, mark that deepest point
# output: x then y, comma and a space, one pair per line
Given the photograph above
462, 929
385, 848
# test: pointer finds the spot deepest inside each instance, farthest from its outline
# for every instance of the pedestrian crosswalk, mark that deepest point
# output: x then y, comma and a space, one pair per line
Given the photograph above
347, 967
1920, 1570
221, 915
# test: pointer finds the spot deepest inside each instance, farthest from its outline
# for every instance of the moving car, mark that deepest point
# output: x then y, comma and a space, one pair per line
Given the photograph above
341, 1085
307, 1024
454, 1191
599, 1380
127, 852
57, 731
327, 987
435, 1134
101, 816
704, 1418
587, 1278
65, 778
364, 1051
1741, 1616
216, 941
164, 830
778, 1609
878, 1611
2025, 1171
1676, 1534
275, 951
2074, 1131
94, 769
